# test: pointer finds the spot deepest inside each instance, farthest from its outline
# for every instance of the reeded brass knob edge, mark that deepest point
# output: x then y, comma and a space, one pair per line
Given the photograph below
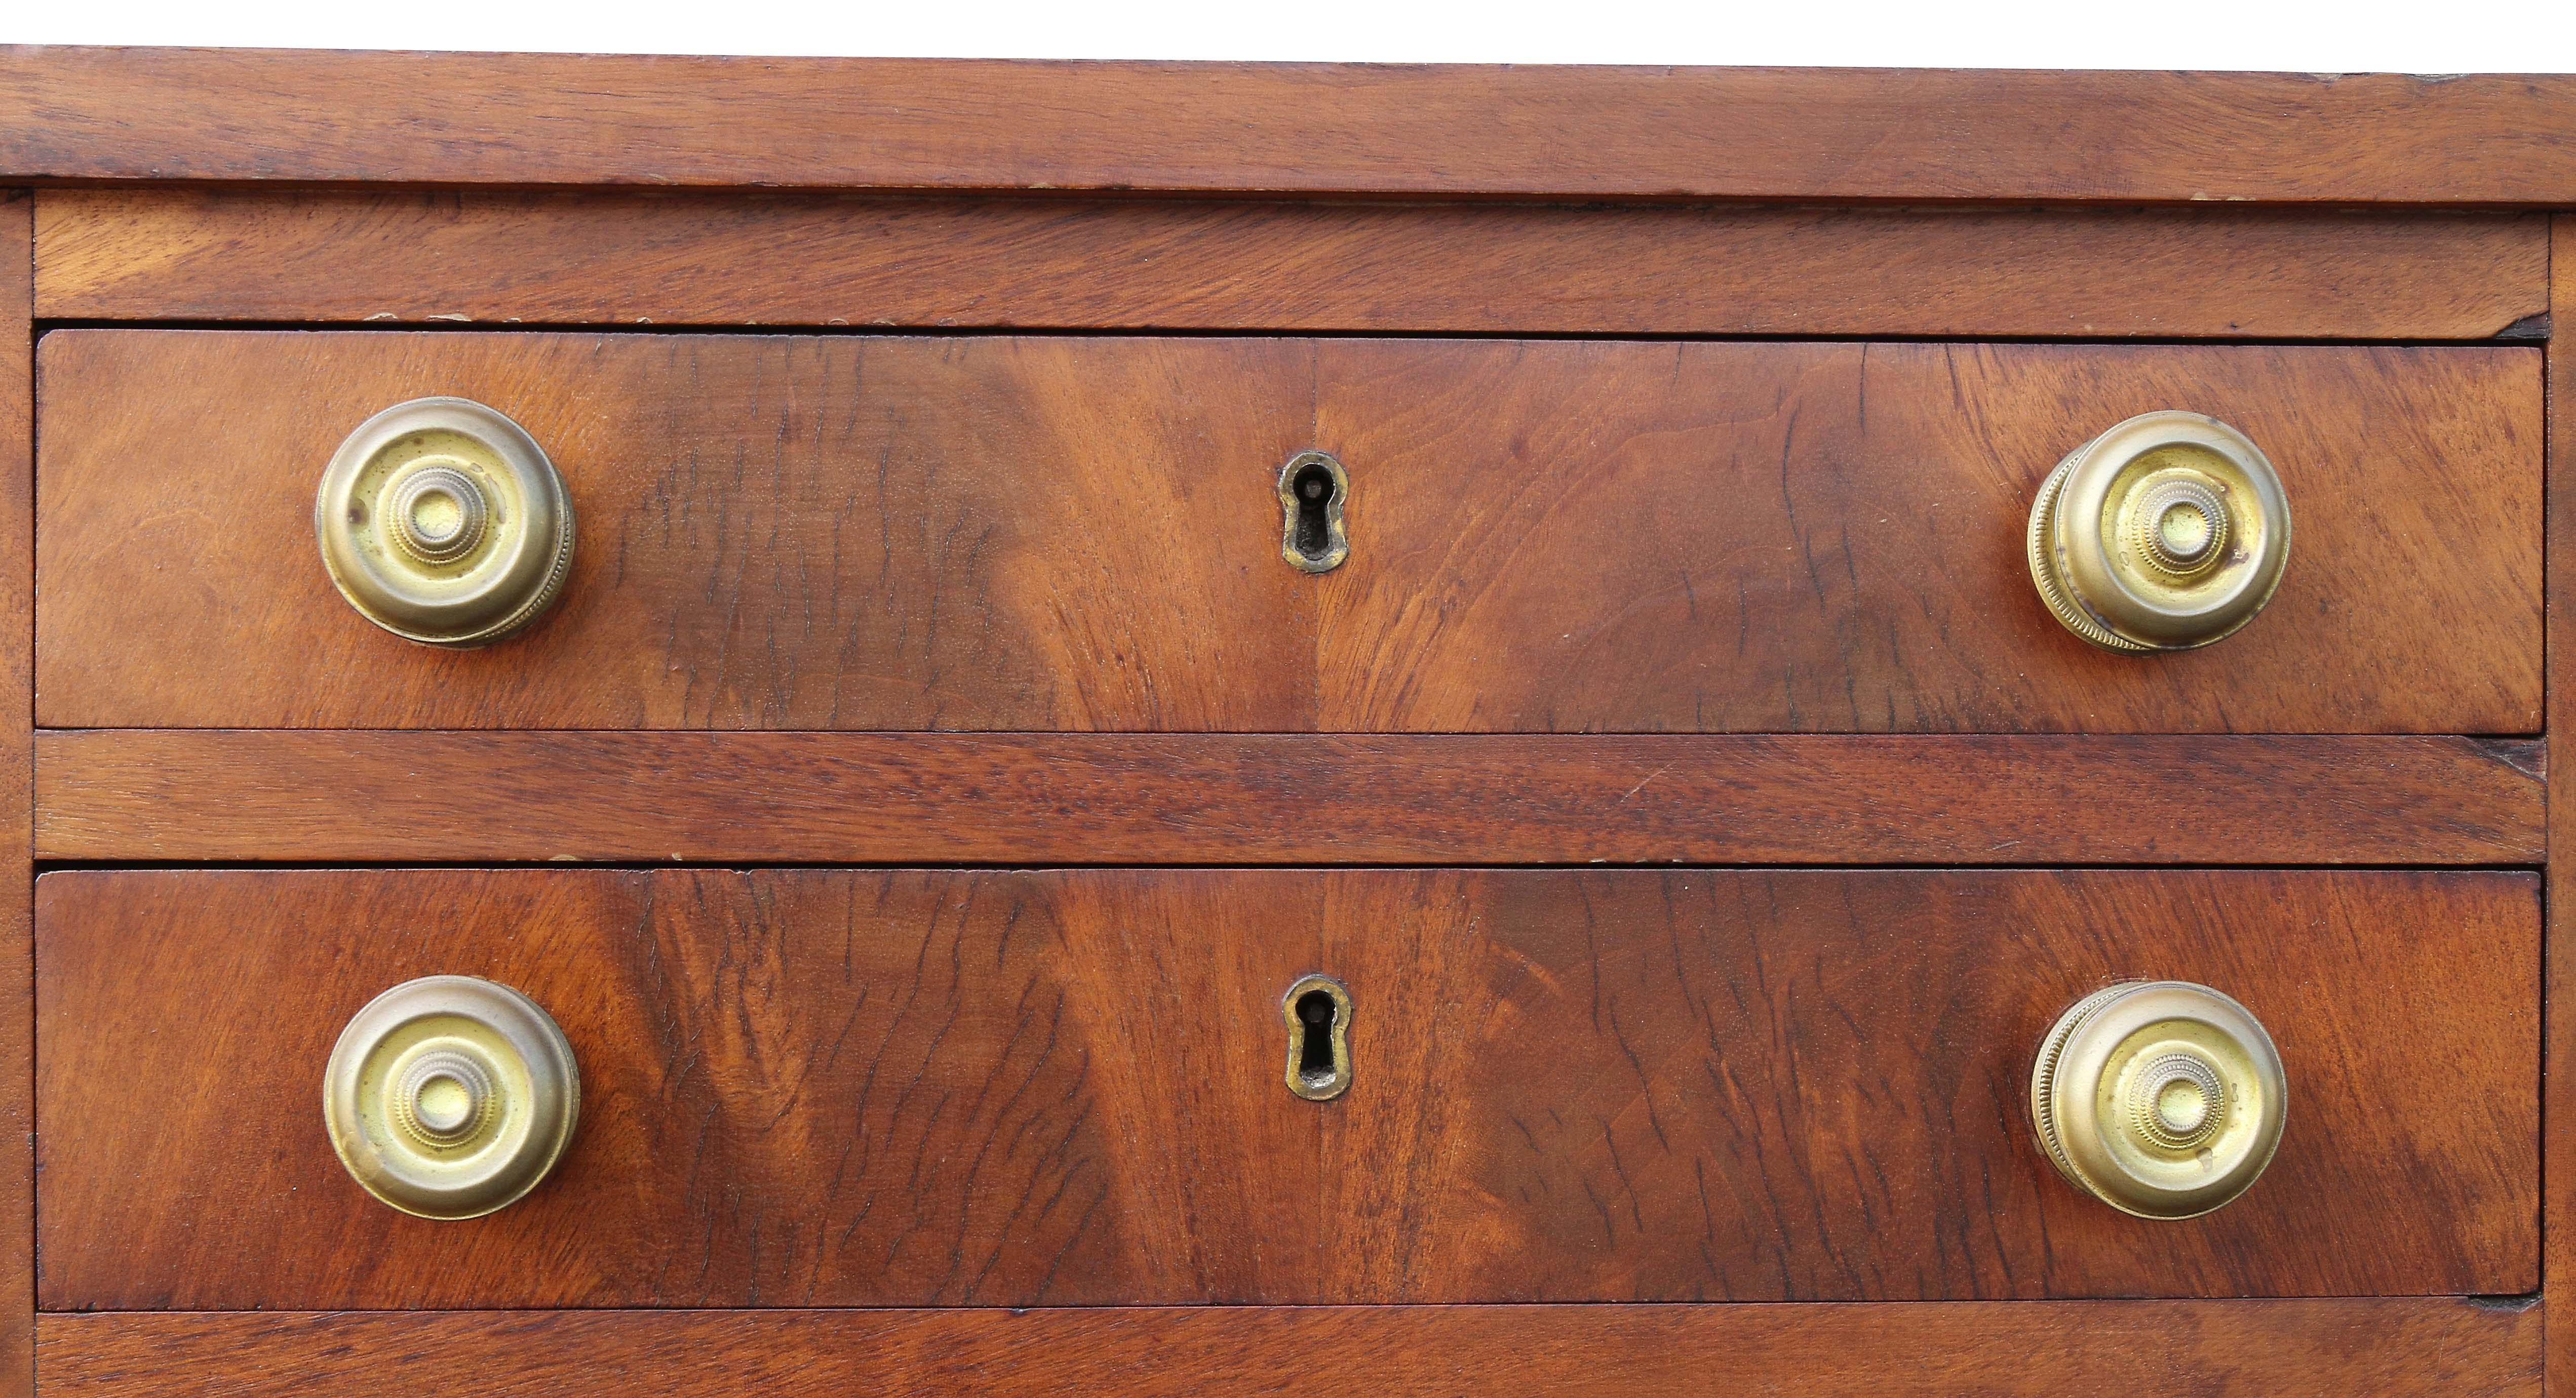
2042, 544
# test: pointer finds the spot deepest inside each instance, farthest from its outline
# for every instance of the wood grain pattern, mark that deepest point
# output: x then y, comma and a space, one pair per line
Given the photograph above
1005, 533
17, 759
197, 254
1664, 132
810, 1088
120, 795
2560, 1108
1995, 1349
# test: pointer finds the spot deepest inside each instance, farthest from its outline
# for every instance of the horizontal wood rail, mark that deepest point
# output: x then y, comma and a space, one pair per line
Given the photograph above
217, 795
1366, 268
2039, 1349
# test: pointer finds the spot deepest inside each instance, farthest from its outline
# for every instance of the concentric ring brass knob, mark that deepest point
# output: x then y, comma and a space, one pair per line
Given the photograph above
449, 1097
2163, 1099
443, 522
2169, 531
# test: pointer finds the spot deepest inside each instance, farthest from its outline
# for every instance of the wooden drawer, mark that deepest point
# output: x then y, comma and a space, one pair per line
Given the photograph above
818, 1088
1008, 533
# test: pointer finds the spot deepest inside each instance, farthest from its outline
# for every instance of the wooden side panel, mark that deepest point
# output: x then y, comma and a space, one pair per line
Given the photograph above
196, 254
2560, 1109
17, 757
1083, 534
811, 1088
123, 795
1934, 1350
1423, 129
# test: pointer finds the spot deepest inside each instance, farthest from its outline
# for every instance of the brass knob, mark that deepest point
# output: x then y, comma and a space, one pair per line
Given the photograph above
2163, 1099
2169, 531
442, 521
449, 1097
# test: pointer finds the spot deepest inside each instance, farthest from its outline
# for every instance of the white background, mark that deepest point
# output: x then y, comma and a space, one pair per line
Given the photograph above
2429, 36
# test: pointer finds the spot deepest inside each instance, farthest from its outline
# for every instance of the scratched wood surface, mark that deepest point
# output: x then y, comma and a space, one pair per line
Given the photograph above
1935, 1350
1384, 129
304, 796
1005, 533
1248, 265
815, 1088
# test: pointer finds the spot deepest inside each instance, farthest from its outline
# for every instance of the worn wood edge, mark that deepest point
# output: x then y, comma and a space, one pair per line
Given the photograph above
17, 704
2558, 941
1065, 263
530, 120
2378, 1345
320, 796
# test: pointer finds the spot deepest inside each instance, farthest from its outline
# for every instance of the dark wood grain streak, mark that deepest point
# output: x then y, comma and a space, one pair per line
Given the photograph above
189, 254
278, 115
365, 797
2288, 1349
2559, 1107
949, 1088
17, 758
1082, 533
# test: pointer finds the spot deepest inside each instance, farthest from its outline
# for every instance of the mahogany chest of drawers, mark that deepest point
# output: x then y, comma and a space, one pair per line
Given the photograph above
715, 726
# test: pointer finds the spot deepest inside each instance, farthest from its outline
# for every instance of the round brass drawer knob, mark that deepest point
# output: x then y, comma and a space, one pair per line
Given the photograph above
2163, 1099
2169, 531
442, 521
449, 1097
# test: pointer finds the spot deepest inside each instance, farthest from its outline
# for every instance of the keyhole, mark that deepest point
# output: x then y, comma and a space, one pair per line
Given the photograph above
1314, 536
1312, 490
1315, 1056
1319, 1017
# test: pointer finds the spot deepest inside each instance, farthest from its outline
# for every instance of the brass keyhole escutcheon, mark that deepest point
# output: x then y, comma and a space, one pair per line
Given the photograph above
1313, 489
1318, 1012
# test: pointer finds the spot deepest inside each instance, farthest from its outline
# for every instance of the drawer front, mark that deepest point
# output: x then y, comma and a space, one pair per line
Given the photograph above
819, 1088
1009, 533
